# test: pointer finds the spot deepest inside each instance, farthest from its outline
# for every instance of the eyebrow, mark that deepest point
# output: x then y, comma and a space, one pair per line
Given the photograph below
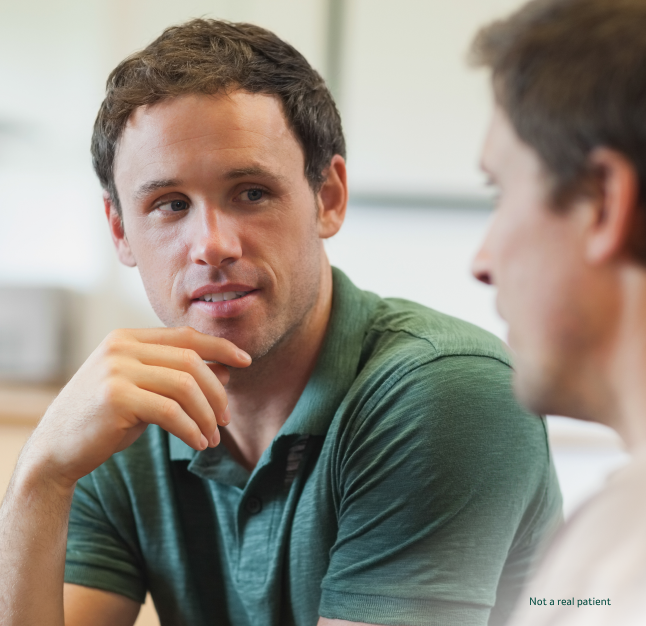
164, 183
243, 172
155, 185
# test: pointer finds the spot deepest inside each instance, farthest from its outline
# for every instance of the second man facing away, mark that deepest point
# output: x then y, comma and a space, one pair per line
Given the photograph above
348, 459
567, 252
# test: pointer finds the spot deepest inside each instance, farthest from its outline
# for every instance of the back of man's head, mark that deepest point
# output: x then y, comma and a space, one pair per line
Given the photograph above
571, 76
206, 56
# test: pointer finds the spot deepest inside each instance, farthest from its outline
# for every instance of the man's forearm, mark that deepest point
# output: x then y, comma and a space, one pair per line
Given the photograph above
134, 378
33, 534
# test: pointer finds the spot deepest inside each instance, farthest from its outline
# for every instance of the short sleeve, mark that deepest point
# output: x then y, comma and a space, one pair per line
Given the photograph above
98, 555
444, 482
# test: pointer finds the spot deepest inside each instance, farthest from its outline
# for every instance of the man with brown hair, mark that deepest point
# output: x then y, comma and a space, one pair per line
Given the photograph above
567, 253
373, 466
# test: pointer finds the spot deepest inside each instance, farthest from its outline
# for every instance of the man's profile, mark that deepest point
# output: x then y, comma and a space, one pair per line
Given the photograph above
290, 449
567, 151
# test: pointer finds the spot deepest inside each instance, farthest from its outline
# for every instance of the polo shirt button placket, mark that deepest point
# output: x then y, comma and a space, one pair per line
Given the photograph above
253, 505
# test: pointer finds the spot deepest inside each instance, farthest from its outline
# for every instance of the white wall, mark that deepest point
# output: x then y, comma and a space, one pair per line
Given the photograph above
415, 112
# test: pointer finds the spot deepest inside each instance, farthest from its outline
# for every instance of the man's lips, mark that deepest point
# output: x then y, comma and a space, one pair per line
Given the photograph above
226, 291
229, 300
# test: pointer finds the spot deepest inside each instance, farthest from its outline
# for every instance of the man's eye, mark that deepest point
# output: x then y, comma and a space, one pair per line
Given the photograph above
253, 195
174, 205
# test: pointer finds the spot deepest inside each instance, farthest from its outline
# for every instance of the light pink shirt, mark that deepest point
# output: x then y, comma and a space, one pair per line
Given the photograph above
599, 554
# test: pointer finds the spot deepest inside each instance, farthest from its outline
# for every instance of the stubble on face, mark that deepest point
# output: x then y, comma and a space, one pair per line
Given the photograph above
278, 324
204, 142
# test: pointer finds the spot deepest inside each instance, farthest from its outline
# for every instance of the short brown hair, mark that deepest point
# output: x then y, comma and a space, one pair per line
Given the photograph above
571, 75
206, 56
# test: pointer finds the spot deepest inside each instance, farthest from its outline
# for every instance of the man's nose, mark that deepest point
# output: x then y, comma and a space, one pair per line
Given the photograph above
215, 239
481, 266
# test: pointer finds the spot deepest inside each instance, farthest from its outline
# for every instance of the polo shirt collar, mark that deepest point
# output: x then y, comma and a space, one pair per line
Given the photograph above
334, 373
336, 367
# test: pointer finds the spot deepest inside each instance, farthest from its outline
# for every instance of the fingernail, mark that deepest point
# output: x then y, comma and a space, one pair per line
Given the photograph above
243, 355
204, 442
226, 415
215, 438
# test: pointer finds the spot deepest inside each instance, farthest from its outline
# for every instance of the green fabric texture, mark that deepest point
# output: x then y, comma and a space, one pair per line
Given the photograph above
407, 487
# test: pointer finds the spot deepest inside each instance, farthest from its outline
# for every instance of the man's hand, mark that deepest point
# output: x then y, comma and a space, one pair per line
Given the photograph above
135, 378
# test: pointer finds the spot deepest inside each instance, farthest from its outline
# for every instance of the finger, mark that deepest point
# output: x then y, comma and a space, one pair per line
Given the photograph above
186, 360
208, 347
221, 372
168, 414
182, 388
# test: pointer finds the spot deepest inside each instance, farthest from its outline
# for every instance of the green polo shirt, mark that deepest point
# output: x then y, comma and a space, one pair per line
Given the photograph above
407, 487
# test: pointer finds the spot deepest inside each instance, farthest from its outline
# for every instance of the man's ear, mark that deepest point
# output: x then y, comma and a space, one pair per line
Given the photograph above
118, 234
615, 212
332, 198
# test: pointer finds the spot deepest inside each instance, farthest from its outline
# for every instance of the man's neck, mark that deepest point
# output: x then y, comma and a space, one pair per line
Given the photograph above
625, 371
612, 375
262, 398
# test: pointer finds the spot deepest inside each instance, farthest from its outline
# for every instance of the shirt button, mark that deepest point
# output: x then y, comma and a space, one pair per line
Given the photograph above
253, 505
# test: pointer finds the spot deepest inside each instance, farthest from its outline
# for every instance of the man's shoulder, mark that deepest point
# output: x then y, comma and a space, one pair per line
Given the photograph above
433, 371
437, 377
405, 330
393, 332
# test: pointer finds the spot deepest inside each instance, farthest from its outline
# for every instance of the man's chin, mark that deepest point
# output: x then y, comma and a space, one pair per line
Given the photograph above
257, 342
231, 330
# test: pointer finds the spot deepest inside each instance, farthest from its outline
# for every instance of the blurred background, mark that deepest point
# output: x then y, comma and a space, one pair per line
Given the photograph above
414, 115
